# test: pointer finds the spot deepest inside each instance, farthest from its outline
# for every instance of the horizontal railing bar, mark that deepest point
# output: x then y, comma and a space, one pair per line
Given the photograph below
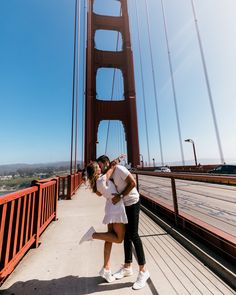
18, 194
191, 176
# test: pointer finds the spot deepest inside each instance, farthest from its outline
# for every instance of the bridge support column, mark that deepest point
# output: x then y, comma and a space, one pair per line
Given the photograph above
98, 110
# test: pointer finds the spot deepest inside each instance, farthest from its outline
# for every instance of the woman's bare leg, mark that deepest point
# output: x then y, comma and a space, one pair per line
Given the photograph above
107, 250
116, 236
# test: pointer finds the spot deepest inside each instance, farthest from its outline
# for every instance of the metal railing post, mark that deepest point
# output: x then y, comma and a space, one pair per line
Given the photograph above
38, 209
137, 182
175, 201
69, 189
56, 197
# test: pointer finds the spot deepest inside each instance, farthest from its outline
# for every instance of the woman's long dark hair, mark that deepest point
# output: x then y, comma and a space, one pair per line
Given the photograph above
92, 176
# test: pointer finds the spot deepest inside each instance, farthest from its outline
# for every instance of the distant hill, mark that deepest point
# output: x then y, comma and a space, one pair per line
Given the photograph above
4, 169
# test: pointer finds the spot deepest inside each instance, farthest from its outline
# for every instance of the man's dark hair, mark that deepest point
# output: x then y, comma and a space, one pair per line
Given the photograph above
103, 159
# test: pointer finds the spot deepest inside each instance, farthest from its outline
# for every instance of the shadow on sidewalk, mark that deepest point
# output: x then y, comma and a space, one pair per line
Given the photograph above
72, 285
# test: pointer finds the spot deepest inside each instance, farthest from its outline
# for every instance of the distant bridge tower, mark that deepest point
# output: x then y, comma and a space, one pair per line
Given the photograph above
98, 110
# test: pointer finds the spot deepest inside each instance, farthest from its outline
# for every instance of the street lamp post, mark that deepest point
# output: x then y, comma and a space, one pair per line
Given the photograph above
141, 159
153, 162
194, 150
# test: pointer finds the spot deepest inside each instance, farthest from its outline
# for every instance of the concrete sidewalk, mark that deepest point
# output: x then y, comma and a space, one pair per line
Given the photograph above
61, 266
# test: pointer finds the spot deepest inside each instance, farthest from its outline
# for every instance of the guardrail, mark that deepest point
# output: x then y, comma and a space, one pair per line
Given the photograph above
74, 181
215, 238
18, 213
69, 184
25, 214
47, 204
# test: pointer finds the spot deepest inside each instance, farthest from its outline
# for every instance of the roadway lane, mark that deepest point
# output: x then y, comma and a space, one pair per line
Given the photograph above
214, 204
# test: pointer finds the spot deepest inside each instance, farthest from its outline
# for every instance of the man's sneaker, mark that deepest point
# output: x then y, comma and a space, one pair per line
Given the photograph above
106, 274
88, 236
143, 276
123, 272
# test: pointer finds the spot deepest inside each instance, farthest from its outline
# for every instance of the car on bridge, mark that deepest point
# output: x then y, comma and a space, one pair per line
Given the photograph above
224, 169
162, 169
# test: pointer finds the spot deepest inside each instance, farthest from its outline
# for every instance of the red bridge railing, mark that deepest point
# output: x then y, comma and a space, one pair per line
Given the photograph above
25, 214
18, 215
69, 184
215, 238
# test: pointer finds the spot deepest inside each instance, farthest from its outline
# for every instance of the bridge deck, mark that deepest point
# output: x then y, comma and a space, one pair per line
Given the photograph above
61, 266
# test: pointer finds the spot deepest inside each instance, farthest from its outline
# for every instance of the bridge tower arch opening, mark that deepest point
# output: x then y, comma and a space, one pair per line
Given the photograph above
114, 85
97, 110
111, 138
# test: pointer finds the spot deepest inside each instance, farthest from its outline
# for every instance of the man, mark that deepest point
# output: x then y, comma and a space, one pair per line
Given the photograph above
126, 187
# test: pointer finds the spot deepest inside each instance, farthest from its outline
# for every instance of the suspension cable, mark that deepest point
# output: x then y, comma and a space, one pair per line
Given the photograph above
142, 78
207, 83
73, 90
112, 90
77, 87
121, 91
84, 80
173, 84
154, 83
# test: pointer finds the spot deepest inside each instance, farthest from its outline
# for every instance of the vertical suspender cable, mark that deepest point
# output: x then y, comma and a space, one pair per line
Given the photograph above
141, 66
73, 92
173, 84
112, 91
207, 83
84, 80
154, 83
109, 122
121, 91
77, 86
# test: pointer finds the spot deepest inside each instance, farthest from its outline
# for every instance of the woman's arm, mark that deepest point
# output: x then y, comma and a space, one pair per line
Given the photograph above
110, 170
103, 188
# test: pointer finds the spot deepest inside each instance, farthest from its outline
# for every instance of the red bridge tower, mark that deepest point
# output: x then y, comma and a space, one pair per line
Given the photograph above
98, 110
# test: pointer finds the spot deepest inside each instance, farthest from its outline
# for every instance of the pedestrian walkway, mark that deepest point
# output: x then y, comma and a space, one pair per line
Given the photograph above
60, 266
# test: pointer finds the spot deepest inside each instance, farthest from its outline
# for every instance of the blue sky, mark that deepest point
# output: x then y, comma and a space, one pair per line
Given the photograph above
36, 63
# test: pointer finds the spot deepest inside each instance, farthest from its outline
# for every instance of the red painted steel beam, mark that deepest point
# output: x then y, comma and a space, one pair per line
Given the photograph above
102, 22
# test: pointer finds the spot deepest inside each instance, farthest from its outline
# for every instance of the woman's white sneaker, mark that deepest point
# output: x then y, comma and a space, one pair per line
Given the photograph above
143, 276
107, 275
88, 236
123, 272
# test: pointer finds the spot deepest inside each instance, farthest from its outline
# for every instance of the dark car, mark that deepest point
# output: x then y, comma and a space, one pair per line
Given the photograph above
224, 169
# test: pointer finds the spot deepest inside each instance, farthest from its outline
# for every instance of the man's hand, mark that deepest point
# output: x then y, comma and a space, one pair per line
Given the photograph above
113, 163
115, 199
122, 157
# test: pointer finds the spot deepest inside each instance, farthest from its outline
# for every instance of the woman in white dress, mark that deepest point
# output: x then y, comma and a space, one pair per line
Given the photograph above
115, 216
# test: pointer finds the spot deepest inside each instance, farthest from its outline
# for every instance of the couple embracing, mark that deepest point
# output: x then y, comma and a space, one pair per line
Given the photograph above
117, 185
